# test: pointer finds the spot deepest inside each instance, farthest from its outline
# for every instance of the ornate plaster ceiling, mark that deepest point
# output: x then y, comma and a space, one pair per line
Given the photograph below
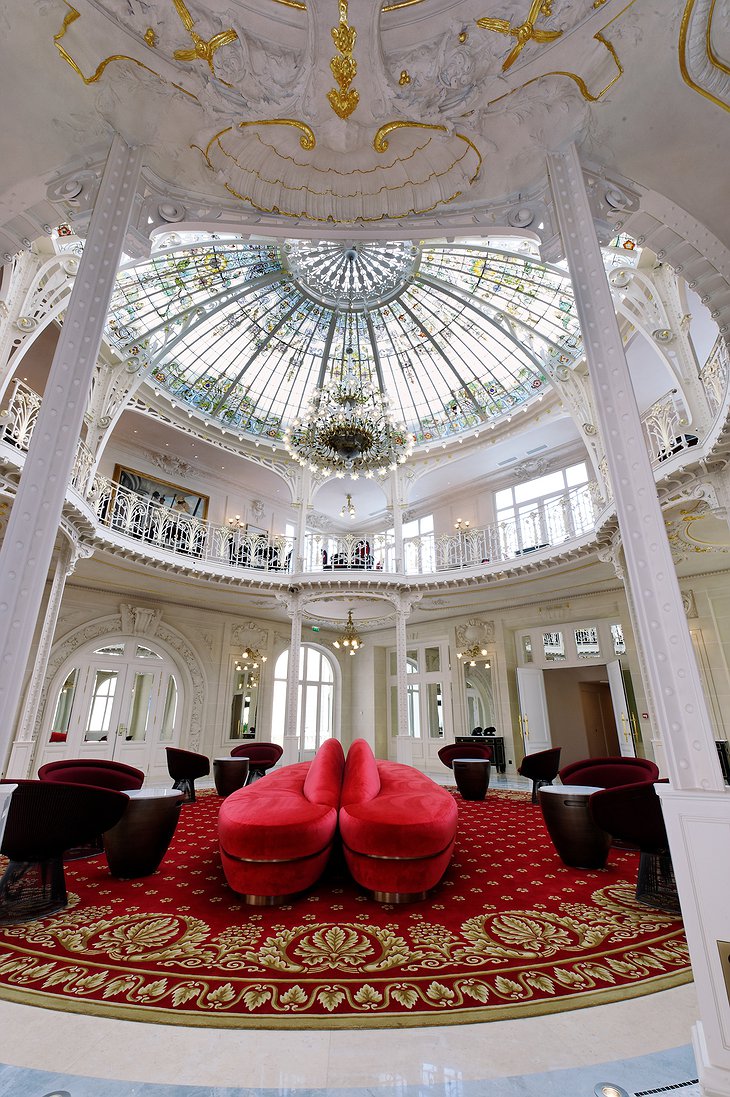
337, 114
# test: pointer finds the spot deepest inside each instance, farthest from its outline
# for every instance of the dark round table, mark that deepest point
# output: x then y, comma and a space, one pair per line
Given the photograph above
139, 841
577, 840
229, 774
472, 777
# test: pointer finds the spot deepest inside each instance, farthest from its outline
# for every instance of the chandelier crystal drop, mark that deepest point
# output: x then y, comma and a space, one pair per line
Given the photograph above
349, 638
349, 428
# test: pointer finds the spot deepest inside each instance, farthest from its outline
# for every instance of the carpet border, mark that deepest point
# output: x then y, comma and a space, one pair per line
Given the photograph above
479, 1015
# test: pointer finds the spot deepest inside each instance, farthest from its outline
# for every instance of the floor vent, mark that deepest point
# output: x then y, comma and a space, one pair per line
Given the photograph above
667, 1089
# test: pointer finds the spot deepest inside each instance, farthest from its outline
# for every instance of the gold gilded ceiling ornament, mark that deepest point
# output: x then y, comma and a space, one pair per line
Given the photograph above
202, 50
343, 99
523, 32
307, 139
405, 78
710, 56
70, 17
150, 38
381, 142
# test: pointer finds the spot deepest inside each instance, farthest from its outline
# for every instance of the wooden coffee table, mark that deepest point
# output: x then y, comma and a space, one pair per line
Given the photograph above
229, 774
472, 777
577, 840
139, 841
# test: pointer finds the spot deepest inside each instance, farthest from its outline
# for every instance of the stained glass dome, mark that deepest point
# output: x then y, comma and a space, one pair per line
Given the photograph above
456, 333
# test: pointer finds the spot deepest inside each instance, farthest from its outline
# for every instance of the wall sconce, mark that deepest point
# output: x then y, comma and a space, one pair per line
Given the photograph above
461, 525
476, 651
236, 523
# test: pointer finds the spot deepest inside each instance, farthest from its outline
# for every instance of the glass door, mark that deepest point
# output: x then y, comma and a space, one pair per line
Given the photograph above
122, 703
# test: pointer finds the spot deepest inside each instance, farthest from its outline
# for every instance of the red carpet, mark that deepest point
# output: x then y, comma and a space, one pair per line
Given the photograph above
510, 931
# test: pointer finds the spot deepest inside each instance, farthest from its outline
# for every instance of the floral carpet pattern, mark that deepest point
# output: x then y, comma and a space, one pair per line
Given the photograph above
510, 931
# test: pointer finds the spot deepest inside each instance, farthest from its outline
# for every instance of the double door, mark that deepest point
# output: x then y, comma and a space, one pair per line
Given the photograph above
122, 704
535, 722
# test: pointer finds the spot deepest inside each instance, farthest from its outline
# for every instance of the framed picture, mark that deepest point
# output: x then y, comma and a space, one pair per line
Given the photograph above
256, 531
162, 491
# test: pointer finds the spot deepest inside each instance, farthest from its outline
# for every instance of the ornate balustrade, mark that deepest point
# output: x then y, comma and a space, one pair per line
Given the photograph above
714, 375
18, 417
665, 424
553, 522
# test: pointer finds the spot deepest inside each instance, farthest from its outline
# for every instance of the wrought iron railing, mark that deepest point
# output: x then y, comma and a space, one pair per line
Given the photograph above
665, 427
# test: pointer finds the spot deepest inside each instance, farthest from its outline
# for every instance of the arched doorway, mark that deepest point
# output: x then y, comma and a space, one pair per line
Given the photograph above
315, 700
117, 698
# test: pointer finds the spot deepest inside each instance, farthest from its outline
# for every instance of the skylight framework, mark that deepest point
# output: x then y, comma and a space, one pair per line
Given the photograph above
245, 331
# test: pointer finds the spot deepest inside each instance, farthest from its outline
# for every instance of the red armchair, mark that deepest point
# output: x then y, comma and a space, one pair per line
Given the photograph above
99, 772
185, 766
633, 814
541, 768
261, 757
609, 772
45, 819
459, 750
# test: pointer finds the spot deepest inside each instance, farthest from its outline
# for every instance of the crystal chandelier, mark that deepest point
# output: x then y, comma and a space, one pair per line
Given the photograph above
348, 429
472, 654
348, 508
349, 638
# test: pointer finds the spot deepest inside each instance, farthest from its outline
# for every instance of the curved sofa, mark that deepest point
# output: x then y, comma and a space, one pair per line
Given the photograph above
397, 825
276, 835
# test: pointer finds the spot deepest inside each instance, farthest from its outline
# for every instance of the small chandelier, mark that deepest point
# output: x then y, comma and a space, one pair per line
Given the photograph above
348, 508
473, 654
349, 638
348, 429
251, 659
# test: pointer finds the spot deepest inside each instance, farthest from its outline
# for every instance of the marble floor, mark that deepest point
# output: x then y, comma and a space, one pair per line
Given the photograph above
641, 1045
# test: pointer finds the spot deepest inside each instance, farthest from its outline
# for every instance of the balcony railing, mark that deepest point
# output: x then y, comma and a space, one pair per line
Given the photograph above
551, 523
714, 375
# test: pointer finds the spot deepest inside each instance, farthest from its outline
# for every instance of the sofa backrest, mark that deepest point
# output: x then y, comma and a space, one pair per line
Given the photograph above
323, 782
362, 779
609, 772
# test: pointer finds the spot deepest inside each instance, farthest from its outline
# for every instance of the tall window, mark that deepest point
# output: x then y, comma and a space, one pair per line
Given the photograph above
541, 512
418, 545
315, 700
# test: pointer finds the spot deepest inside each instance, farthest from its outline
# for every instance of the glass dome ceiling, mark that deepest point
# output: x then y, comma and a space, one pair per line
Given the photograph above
457, 334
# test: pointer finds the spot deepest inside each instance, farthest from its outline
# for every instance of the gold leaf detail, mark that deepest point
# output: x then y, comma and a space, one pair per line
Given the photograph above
343, 103
222, 995
478, 991
344, 70
344, 38
295, 996
368, 996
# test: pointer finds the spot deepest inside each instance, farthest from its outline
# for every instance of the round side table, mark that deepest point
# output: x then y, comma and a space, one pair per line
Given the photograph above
472, 777
229, 774
578, 841
136, 845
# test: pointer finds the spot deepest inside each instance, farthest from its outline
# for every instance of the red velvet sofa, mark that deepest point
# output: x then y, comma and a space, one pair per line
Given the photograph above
397, 826
276, 835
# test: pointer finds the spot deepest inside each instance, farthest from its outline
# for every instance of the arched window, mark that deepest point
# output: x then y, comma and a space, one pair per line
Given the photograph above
315, 701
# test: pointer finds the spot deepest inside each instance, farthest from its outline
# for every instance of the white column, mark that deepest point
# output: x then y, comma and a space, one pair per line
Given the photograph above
291, 730
397, 521
404, 743
21, 757
27, 549
305, 489
697, 805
